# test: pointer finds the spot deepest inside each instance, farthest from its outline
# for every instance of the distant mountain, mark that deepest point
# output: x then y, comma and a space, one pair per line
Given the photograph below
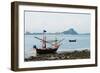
85, 34
71, 31
28, 33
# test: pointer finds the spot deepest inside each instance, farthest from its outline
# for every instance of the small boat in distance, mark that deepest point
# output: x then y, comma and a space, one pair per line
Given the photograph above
55, 44
72, 40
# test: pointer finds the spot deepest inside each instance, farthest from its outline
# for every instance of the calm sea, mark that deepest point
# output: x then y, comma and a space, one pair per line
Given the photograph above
82, 42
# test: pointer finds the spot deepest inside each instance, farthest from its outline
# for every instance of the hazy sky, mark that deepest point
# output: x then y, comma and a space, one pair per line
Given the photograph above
56, 22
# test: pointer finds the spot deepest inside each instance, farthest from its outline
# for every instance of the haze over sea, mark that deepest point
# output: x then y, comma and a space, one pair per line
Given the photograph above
82, 42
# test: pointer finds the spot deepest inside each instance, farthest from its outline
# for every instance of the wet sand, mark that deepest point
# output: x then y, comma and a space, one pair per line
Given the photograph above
61, 55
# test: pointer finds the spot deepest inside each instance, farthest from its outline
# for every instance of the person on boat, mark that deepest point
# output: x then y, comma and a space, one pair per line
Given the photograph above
34, 46
34, 51
55, 45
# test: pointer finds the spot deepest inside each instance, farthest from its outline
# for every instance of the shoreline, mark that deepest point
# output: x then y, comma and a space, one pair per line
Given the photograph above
71, 50
61, 55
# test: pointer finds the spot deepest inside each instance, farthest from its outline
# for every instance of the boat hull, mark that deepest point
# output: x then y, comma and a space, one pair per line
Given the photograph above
46, 51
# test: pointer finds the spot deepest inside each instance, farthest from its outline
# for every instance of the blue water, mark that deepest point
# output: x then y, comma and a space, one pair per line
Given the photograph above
82, 42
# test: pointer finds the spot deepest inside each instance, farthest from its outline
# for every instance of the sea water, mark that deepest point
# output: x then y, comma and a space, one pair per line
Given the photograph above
82, 42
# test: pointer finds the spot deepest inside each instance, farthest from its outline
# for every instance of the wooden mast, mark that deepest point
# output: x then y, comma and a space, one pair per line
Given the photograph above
44, 40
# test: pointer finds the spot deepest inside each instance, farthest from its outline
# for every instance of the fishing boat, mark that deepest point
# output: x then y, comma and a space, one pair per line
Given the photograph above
55, 44
72, 40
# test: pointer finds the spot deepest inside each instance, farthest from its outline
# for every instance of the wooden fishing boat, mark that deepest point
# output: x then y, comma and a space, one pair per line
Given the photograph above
45, 50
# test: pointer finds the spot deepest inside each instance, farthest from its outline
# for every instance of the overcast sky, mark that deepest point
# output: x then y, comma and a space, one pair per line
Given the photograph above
56, 22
